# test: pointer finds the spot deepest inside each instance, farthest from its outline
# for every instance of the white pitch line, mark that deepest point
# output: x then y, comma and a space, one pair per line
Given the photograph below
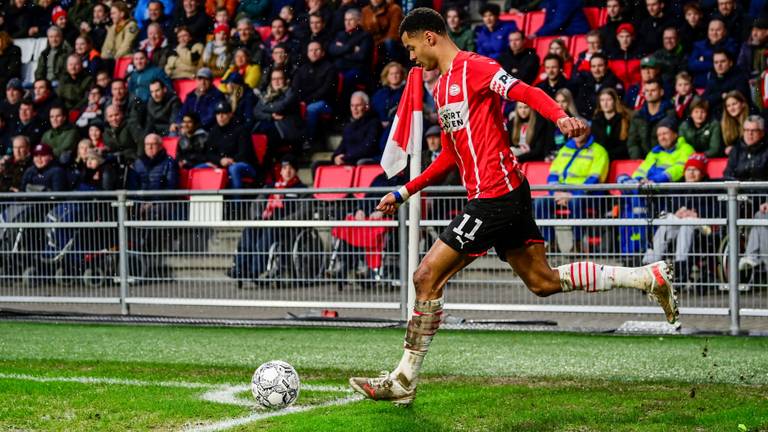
114, 381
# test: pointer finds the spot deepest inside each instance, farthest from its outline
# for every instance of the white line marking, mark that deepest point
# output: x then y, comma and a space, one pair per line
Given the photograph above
115, 381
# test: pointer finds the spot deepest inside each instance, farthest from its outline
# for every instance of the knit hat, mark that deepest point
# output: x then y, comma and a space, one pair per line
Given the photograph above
221, 28
699, 161
669, 123
14, 83
627, 27
57, 13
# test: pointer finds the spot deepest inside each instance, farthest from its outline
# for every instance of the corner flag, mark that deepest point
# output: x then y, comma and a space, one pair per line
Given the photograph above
407, 127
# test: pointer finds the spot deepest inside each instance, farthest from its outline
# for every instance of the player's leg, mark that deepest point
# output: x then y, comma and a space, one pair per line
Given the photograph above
437, 267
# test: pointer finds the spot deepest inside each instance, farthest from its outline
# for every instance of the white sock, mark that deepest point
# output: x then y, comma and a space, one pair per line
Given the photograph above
590, 277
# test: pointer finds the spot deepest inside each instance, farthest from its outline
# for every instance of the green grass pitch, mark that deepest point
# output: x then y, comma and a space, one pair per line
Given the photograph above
68, 377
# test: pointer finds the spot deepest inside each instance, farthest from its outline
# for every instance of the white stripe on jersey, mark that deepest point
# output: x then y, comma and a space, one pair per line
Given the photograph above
469, 131
504, 169
450, 134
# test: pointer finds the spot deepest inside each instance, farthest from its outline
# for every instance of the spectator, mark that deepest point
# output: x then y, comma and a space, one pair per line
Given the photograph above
97, 175
700, 62
554, 79
184, 61
280, 61
156, 13
733, 17
45, 175
491, 35
104, 80
642, 135
351, 50
749, 159
230, 147
563, 17
649, 70
726, 77
460, 33
13, 166
280, 36
671, 56
359, 143
143, 74
132, 107
338, 23
610, 125
240, 98
21, 18
59, 19
93, 109
193, 143
121, 34
98, 26
625, 49
10, 59
163, 106
594, 46
732, 121
430, 81
201, 100
257, 11
156, 46
96, 135
53, 60
432, 151
683, 95
62, 136
318, 31
565, 99
387, 98
80, 11
120, 140
581, 161
250, 72
700, 131
89, 57
277, 114
28, 123
253, 248
74, 84
9, 107
75, 159
652, 27
685, 205
588, 84
615, 16
694, 28
520, 61
530, 134
666, 161
153, 171
382, 20
45, 98
194, 19
247, 38
315, 84
5, 137
217, 55
559, 48
752, 56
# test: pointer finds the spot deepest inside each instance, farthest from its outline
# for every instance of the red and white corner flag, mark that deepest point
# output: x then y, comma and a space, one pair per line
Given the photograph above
407, 128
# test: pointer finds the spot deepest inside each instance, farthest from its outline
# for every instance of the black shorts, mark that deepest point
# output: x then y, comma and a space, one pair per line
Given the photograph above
505, 223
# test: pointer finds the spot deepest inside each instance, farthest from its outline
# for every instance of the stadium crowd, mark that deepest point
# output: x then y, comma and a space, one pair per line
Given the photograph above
658, 81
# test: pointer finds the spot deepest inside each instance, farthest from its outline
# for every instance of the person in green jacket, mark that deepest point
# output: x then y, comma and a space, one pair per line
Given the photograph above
701, 132
74, 84
62, 136
580, 161
461, 34
53, 59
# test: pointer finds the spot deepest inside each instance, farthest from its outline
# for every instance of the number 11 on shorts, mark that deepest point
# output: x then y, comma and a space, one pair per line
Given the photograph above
460, 229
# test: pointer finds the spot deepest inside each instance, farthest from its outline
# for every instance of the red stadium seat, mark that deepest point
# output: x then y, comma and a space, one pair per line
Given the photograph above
207, 178
628, 71
517, 18
183, 178
259, 142
364, 176
536, 173
619, 167
534, 21
595, 17
541, 44
183, 87
121, 67
577, 45
716, 167
264, 32
333, 176
171, 145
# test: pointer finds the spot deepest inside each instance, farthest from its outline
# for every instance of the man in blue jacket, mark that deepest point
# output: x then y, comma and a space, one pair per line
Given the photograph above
491, 36
700, 62
200, 101
563, 17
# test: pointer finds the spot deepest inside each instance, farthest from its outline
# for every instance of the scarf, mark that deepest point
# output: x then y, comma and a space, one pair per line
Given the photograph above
275, 201
681, 104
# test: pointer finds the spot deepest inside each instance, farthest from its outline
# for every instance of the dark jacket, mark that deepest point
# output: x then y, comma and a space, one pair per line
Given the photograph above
231, 141
32, 130
748, 163
244, 109
315, 82
464, 38
360, 139
59, 62
19, 20
74, 91
123, 142
104, 178
642, 129
717, 86
161, 114
491, 43
700, 60
291, 127
193, 150
586, 88
650, 32
62, 140
385, 101
563, 17
158, 173
13, 172
540, 140
198, 24
608, 133
549, 89
10, 65
342, 49
523, 65
50, 178
202, 105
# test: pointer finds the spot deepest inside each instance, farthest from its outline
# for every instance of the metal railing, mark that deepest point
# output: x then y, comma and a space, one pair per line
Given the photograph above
329, 249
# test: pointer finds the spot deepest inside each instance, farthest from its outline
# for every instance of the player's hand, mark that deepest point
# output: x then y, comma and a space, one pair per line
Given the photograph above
571, 126
388, 205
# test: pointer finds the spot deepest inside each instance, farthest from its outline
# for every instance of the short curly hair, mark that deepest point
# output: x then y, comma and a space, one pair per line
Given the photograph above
423, 19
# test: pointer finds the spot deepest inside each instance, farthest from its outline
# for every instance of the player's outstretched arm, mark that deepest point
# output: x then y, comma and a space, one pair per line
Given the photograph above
540, 102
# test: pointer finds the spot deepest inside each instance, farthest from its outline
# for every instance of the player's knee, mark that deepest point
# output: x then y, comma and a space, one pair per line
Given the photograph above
543, 286
424, 279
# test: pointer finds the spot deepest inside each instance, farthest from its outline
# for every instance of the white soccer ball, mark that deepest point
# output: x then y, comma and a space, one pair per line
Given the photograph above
275, 384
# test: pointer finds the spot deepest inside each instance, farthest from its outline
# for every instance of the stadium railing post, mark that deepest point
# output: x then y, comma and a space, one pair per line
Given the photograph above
122, 250
733, 255
402, 230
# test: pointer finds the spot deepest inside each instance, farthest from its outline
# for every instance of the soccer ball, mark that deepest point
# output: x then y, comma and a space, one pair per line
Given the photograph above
275, 384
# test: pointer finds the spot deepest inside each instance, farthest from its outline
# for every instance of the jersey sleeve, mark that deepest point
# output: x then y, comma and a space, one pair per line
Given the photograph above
435, 172
488, 75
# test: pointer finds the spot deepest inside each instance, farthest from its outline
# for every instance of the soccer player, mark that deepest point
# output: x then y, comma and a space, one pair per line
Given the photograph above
468, 98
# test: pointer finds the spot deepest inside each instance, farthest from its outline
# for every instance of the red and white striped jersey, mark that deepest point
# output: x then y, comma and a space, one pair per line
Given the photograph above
468, 100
